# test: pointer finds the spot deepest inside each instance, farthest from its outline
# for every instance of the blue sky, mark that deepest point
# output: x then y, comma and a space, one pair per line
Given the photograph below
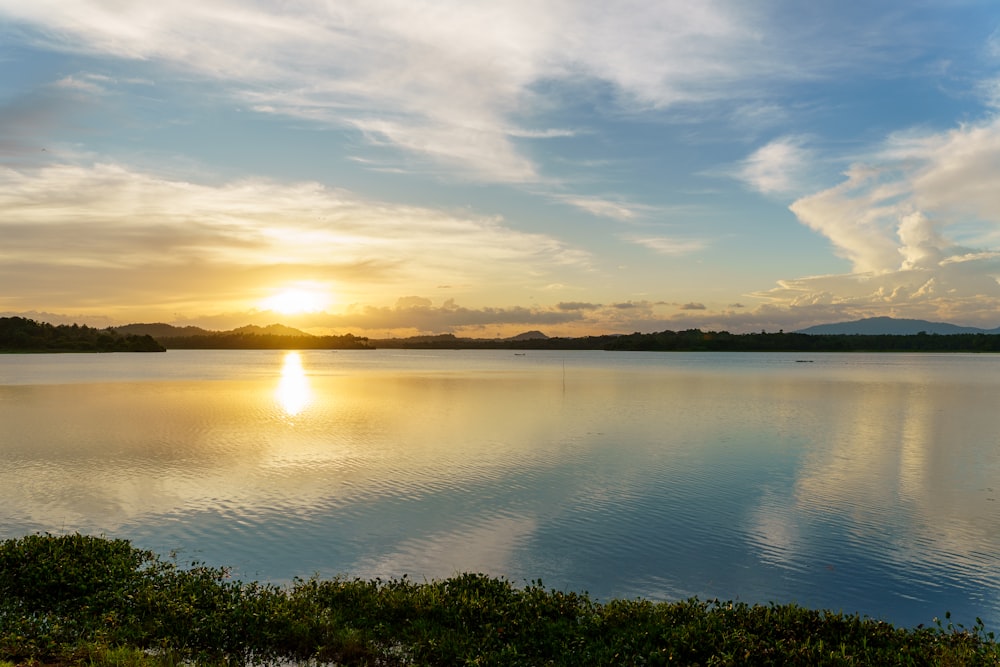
390, 168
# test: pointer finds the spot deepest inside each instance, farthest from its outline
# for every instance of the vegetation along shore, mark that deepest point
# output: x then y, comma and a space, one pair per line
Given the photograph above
85, 600
19, 334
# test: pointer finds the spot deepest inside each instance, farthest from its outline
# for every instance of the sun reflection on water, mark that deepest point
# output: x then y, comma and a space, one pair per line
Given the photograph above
293, 393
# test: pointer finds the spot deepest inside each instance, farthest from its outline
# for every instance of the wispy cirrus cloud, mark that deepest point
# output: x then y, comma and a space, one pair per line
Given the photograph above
666, 245
602, 207
454, 82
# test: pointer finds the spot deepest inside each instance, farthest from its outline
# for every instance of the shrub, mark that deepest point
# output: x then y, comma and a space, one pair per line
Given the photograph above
76, 599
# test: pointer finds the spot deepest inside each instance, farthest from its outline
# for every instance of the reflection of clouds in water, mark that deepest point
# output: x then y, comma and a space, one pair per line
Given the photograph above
883, 474
774, 530
916, 442
489, 547
778, 481
294, 393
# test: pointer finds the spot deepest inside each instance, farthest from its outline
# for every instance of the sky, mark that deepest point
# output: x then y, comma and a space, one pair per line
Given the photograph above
402, 167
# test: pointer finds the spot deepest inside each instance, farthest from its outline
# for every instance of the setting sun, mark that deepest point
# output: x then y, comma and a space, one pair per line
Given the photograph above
296, 300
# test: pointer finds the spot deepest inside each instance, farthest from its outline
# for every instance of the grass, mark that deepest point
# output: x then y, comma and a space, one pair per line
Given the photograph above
81, 600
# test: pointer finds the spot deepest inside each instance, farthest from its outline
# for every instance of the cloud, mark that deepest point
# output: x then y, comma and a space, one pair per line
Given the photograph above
602, 208
989, 91
89, 84
666, 245
222, 244
423, 317
416, 315
410, 315
693, 306
920, 222
776, 167
457, 146
941, 183
921, 246
413, 303
577, 305
963, 291
461, 84
858, 216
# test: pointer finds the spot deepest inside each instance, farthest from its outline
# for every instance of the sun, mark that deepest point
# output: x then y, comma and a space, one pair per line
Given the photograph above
296, 300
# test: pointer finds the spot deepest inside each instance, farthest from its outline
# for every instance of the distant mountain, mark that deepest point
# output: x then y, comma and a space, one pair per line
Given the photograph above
159, 330
880, 326
528, 335
269, 330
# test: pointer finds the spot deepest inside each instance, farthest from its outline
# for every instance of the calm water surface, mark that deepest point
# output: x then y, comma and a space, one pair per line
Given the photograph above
862, 483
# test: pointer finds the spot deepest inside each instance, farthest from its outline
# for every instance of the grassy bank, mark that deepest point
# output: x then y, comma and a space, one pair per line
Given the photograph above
94, 601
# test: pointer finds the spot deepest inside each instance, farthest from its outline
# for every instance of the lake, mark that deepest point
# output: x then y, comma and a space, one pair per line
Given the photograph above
851, 482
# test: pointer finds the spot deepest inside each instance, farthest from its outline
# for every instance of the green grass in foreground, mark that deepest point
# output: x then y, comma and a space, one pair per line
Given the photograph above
81, 600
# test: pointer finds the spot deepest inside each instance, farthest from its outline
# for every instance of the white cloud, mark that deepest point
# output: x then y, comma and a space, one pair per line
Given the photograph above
921, 245
920, 222
489, 152
776, 167
600, 207
85, 84
666, 245
859, 216
450, 80
989, 91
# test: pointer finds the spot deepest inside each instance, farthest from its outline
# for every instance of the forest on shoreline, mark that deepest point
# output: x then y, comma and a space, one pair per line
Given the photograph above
23, 335
19, 334
691, 340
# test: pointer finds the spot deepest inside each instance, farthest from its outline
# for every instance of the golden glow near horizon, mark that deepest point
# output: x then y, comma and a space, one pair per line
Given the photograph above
294, 393
508, 179
302, 298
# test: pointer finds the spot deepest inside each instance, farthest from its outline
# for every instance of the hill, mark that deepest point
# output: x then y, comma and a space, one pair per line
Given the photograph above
249, 337
269, 330
882, 326
159, 330
528, 335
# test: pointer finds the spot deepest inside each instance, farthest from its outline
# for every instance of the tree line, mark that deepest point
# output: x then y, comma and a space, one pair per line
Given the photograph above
19, 334
695, 340
256, 341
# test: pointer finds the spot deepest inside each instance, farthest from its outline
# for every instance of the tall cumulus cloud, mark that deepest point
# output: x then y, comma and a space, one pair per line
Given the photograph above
919, 221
